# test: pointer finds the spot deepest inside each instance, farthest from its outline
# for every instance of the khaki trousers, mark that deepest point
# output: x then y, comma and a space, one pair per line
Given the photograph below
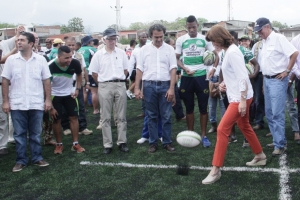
111, 93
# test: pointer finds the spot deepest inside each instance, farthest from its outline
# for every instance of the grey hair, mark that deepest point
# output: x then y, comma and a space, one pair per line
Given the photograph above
157, 27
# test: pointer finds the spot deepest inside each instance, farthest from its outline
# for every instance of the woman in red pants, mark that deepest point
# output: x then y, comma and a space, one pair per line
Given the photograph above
239, 92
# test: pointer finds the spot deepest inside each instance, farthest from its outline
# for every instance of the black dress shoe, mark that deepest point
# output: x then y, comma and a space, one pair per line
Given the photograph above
123, 147
152, 148
107, 150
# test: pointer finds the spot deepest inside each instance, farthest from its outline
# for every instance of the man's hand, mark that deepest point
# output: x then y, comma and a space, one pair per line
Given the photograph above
189, 72
53, 114
138, 94
20, 29
48, 105
282, 75
6, 107
75, 94
211, 73
173, 101
170, 94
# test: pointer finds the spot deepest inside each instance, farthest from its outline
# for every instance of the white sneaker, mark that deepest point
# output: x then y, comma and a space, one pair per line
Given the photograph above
129, 94
86, 132
142, 140
67, 132
99, 127
160, 139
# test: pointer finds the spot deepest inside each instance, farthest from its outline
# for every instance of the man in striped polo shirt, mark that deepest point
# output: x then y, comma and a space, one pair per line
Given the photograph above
192, 47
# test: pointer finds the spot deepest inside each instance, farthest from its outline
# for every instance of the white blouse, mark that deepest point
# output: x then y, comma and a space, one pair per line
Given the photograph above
235, 74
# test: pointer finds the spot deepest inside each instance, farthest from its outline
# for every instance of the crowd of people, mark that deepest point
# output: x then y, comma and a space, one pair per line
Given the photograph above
47, 90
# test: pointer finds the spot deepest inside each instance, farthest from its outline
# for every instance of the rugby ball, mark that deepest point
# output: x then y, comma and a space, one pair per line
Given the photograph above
208, 58
188, 139
250, 69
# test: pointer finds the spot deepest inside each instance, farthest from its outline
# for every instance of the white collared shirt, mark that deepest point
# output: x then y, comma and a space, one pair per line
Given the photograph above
296, 43
235, 74
26, 78
109, 66
275, 54
156, 63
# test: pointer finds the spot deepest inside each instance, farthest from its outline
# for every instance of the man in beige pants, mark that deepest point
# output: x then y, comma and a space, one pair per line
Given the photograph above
109, 68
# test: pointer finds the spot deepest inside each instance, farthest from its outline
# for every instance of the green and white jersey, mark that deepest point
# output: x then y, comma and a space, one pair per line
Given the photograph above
248, 55
87, 52
53, 53
61, 80
192, 50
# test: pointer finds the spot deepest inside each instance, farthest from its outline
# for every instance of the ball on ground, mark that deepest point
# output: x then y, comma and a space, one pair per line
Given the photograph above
188, 139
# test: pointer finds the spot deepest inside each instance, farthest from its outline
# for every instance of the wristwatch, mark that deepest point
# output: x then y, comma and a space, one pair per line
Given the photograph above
78, 89
287, 71
290, 81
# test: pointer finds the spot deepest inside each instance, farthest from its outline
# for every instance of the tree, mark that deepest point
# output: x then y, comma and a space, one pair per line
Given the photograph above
7, 25
114, 26
201, 21
137, 26
279, 25
75, 24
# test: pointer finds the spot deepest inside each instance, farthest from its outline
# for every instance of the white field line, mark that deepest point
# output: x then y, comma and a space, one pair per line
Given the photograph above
238, 169
285, 190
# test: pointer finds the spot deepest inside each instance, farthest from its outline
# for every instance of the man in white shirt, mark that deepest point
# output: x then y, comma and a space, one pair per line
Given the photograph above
156, 66
29, 76
278, 57
109, 67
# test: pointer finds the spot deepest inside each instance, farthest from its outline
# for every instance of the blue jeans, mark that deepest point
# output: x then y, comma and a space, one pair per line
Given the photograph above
156, 104
31, 121
212, 104
145, 131
275, 91
292, 109
259, 100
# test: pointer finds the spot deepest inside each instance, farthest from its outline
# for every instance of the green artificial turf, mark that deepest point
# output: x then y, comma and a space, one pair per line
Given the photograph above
65, 178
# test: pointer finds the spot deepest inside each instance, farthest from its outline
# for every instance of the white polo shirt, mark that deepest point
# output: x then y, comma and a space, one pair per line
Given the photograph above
235, 74
275, 54
156, 63
26, 78
109, 66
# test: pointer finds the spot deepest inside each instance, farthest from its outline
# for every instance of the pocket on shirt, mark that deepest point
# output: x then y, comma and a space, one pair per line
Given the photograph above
15, 99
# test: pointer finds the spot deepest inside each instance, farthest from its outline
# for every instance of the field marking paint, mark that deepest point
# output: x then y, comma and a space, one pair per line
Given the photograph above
285, 190
238, 169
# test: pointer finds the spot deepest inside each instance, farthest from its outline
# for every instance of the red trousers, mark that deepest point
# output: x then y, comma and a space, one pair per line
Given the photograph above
231, 117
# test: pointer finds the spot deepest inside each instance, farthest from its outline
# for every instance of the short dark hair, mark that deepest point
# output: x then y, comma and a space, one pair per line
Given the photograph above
30, 37
63, 49
157, 27
56, 45
78, 44
168, 40
234, 35
132, 42
191, 19
220, 35
66, 37
96, 41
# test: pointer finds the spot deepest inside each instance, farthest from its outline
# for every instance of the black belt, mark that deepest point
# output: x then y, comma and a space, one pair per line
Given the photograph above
117, 80
270, 77
157, 82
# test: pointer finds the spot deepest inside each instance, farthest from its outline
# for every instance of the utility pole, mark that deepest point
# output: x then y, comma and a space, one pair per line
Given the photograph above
118, 8
229, 17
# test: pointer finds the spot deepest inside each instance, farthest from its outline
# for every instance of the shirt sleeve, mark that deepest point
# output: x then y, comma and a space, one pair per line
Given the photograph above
95, 65
173, 61
178, 49
125, 61
140, 61
6, 73
209, 46
297, 46
287, 48
132, 62
238, 66
77, 67
45, 69
83, 61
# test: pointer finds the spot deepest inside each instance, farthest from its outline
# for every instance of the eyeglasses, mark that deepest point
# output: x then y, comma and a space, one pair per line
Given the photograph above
111, 39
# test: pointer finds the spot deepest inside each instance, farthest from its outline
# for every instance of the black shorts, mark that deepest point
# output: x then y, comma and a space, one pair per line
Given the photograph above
194, 85
92, 82
70, 105
132, 76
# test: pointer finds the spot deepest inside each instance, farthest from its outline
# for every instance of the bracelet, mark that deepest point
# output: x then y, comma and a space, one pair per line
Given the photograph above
214, 68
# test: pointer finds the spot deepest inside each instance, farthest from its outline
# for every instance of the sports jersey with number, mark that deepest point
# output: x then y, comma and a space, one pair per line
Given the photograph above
248, 55
62, 81
192, 50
